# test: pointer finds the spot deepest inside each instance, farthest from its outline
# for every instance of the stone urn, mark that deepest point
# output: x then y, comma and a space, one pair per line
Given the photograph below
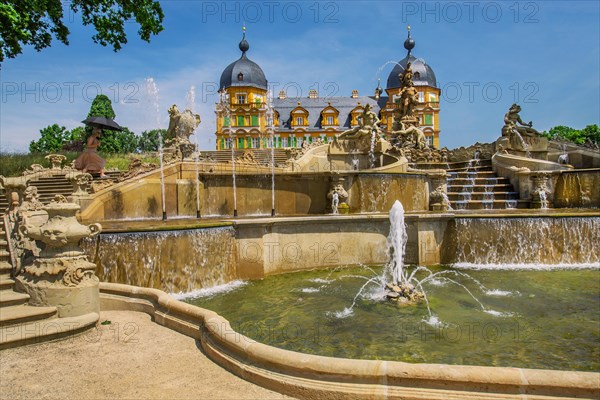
61, 276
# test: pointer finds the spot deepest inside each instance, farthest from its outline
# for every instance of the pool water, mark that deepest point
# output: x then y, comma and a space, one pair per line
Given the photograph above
546, 319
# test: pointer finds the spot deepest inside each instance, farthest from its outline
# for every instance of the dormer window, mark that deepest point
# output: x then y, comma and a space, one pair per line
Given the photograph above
299, 116
417, 76
240, 77
329, 116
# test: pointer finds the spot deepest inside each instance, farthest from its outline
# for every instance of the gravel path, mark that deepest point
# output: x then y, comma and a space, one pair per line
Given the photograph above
132, 358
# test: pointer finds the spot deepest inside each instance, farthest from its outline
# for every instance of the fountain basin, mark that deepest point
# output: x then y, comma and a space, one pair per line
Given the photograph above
309, 376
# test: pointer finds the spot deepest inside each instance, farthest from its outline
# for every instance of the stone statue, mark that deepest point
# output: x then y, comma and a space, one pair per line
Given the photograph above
368, 122
513, 123
335, 201
338, 197
409, 95
181, 125
406, 76
411, 136
30, 199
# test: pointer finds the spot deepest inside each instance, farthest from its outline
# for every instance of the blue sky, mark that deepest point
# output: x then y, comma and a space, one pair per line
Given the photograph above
544, 55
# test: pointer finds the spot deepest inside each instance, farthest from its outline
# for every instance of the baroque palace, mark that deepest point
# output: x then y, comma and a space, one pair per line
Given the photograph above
243, 122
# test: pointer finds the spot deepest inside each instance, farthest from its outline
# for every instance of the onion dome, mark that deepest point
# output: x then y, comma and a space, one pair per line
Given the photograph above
243, 72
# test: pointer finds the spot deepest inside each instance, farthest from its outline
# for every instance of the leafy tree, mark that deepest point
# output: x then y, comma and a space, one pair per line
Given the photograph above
75, 140
590, 133
112, 141
123, 141
36, 22
150, 139
53, 137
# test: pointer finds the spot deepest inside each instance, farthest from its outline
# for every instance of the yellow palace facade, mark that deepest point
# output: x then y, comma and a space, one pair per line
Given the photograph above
300, 119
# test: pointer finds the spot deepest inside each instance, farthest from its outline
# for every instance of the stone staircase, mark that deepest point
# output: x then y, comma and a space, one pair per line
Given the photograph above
50, 186
474, 186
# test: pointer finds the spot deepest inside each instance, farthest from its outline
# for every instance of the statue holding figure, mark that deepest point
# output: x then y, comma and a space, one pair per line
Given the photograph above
514, 124
368, 122
409, 95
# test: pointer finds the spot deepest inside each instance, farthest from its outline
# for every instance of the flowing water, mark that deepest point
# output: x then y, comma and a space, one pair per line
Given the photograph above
191, 105
152, 96
156, 259
500, 317
534, 319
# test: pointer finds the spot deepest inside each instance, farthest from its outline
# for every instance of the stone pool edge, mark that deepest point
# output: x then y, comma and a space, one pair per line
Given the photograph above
310, 377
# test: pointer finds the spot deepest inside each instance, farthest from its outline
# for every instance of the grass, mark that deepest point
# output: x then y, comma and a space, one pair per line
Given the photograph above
13, 164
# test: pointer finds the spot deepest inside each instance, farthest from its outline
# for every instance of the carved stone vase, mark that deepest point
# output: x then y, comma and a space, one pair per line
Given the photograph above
61, 276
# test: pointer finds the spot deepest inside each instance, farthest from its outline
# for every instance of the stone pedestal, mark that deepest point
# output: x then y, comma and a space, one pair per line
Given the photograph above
62, 276
530, 146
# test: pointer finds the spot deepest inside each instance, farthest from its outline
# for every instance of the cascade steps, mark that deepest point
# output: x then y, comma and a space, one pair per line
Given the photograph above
475, 186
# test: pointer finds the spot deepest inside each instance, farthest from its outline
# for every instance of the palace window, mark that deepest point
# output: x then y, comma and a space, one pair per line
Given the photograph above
299, 142
254, 120
240, 120
241, 98
226, 121
255, 143
240, 143
421, 97
284, 142
299, 121
330, 120
428, 119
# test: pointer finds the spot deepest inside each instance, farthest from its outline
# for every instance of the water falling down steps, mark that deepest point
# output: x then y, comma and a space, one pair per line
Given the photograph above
475, 186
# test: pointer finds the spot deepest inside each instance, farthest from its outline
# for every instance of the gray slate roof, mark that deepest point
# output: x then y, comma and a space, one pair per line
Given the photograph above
253, 74
425, 77
314, 107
